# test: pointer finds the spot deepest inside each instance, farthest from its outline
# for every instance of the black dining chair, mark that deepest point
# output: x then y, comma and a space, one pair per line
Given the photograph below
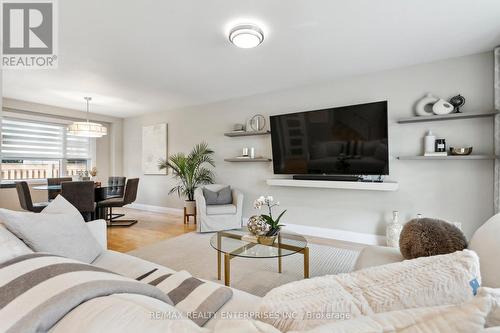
116, 186
115, 189
52, 194
23, 192
129, 196
81, 194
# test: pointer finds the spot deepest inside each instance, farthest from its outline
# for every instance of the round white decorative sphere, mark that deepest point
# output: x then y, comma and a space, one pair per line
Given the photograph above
257, 225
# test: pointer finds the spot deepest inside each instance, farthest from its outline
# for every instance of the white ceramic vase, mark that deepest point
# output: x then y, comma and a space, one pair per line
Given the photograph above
442, 107
393, 230
425, 104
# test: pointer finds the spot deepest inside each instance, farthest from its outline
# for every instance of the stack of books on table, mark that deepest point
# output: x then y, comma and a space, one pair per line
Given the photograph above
436, 154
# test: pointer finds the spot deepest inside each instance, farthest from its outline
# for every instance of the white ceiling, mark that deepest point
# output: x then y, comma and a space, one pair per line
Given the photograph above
139, 56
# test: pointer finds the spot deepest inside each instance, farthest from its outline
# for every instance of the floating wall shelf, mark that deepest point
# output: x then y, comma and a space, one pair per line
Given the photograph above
451, 116
243, 133
258, 159
367, 186
449, 157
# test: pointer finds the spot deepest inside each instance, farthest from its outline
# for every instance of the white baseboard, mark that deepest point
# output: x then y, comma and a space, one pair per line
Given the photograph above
343, 235
156, 209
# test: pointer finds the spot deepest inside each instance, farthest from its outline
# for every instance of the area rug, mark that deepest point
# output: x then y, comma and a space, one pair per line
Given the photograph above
192, 252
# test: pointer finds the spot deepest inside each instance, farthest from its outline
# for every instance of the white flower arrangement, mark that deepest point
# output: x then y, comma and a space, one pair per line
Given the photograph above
264, 201
269, 202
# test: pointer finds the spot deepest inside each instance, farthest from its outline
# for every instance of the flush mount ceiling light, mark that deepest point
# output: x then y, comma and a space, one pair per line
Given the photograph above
86, 128
246, 36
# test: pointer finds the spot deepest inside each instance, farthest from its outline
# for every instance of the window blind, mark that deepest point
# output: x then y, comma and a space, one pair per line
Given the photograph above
23, 139
77, 147
28, 139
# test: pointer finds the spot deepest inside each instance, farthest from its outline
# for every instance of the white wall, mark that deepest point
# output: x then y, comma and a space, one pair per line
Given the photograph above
460, 191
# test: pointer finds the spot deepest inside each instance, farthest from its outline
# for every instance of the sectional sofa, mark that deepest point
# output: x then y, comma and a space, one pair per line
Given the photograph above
127, 307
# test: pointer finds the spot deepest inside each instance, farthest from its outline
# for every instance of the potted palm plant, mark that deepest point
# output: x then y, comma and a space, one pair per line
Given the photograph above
192, 171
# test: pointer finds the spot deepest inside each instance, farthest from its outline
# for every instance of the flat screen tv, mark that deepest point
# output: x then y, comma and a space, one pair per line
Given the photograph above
347, 140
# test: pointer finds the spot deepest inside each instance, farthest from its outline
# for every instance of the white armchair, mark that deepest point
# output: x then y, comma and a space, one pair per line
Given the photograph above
218, 217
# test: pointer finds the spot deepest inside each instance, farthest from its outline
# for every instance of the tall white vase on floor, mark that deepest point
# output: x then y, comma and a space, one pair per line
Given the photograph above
393, 230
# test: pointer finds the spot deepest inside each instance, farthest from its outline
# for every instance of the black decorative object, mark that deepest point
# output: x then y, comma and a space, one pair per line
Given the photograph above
440, 145
457, 101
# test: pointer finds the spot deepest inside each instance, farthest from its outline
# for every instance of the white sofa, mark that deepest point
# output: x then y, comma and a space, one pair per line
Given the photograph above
133, 267
97, 315
218, 217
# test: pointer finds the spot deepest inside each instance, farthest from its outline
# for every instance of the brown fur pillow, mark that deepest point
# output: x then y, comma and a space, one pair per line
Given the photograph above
428, 237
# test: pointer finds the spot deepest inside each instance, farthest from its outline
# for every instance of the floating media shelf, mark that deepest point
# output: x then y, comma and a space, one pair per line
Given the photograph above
367, 186
451, 116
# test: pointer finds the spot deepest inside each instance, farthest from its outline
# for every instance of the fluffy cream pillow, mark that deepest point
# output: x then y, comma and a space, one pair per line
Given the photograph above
61, 234
464, 318
11, 246
487, 246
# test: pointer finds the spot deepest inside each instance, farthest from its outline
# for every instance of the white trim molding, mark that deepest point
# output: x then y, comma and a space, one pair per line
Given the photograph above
156, 209
343, 235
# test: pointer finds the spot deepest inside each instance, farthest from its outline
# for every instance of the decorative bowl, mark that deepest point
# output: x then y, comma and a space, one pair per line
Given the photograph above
267, 240
460, 151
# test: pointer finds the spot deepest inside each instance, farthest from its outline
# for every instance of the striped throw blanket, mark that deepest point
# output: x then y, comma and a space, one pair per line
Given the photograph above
198, 300
38, 289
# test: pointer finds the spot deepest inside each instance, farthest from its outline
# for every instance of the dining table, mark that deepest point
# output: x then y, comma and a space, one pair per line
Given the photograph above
101, 193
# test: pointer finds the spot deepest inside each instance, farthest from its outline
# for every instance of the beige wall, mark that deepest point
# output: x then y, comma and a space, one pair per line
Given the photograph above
109, 154
460, 191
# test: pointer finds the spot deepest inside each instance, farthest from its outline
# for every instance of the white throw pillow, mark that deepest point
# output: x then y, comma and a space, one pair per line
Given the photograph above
11, 246
485, 242
62, 206
463, 318
61, 234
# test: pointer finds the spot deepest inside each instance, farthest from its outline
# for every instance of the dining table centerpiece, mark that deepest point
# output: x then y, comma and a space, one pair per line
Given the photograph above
265, 226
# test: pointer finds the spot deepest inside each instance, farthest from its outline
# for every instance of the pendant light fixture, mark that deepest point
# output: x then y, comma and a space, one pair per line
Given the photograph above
87, 128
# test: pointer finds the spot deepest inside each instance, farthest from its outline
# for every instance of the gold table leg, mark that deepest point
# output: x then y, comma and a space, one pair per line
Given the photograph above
306, 262
227, 269
218, 257
279, 254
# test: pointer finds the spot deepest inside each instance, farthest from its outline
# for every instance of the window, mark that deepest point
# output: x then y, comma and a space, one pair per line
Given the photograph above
39, 150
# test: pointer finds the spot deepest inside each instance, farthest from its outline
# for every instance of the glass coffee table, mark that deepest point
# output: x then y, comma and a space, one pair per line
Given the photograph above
240, 243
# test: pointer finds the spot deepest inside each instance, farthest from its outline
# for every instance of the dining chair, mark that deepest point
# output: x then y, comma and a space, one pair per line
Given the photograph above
116, 186
80, 194
129, 196
23, 192
52, 194
115, 189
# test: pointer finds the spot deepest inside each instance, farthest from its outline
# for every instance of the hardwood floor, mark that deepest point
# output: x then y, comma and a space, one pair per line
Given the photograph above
152, 227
